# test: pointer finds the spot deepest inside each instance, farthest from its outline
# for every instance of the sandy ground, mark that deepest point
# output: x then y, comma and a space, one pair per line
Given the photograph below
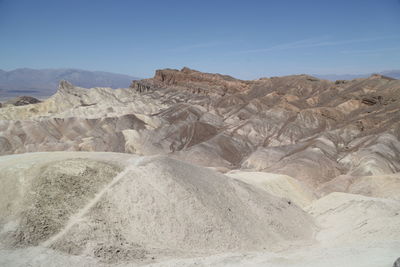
126, 210
362, 255
379, 255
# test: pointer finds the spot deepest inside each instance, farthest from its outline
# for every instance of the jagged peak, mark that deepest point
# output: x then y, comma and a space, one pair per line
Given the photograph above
65, 85
188, 70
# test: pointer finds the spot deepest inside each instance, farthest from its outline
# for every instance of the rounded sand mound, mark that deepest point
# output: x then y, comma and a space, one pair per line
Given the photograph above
347, 218
382, 186
278, 185
155, 206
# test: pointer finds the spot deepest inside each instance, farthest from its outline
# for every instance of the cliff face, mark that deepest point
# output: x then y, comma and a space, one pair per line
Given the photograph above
194, 81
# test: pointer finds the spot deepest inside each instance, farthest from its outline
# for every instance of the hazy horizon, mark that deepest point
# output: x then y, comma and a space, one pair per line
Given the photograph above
328, 76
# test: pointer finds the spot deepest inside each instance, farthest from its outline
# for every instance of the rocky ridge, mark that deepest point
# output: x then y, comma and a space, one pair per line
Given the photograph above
272, 124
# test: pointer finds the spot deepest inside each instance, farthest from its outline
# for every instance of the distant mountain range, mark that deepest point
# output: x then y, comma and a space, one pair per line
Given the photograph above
44, 82
333, 77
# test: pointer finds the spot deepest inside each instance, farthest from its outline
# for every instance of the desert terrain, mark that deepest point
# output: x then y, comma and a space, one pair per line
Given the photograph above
199, 169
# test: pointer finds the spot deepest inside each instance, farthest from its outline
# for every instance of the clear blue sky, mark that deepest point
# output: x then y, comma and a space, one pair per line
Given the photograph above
246, 39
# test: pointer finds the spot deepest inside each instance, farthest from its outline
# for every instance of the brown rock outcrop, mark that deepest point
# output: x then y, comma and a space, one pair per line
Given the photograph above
192, 81
22, 101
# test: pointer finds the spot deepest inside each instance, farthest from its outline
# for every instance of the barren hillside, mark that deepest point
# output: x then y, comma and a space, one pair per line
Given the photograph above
209, 170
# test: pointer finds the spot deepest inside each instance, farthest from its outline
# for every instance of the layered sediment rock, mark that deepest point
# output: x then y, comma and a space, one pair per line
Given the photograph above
290, 125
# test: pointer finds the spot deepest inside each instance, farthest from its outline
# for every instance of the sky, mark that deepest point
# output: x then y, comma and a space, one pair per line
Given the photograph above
246, 39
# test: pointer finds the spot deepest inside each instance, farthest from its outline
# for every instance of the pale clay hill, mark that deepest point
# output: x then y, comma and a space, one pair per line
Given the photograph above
199, 169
